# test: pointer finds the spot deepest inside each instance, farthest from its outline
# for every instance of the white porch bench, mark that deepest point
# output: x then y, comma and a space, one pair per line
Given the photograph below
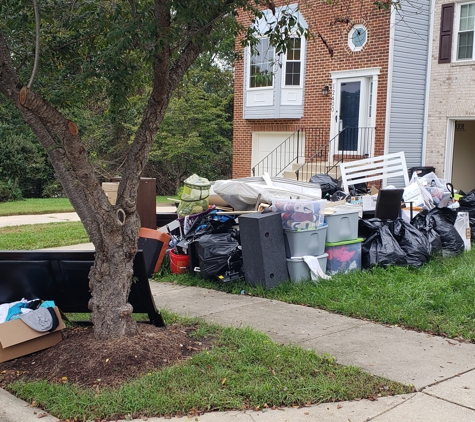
371, 169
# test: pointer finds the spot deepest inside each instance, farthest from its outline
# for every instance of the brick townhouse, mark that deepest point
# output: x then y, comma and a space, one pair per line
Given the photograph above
451, 115
358, 88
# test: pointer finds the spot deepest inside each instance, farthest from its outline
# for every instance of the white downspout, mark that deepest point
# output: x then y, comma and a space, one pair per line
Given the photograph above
428, 80
392, 31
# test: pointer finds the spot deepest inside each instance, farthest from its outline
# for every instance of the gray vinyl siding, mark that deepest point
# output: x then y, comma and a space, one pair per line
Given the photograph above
409, 78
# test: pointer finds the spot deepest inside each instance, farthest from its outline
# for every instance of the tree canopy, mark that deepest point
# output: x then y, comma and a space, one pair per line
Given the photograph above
97, 57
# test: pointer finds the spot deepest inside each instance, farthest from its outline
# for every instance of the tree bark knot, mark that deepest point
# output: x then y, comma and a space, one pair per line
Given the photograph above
121, 216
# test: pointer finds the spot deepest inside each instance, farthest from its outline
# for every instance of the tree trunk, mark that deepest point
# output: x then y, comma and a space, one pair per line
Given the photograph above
110, 282
113, 229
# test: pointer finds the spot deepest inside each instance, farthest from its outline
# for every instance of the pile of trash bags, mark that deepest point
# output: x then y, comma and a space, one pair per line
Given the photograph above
398, 242
212, 243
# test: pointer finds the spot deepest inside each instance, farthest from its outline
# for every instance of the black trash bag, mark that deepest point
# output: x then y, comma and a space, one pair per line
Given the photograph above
339, 195
452, 242
218, 253
382, 249
368, 226
425, 224
442, 221
209, 223
328, 184
468, 200
358, 189
416, 246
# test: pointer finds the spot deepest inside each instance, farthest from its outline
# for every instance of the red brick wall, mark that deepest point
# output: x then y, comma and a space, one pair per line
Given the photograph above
321, 19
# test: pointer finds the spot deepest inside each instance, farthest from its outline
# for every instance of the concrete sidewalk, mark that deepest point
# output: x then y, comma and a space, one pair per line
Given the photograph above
19, 220
59, 217
442, 370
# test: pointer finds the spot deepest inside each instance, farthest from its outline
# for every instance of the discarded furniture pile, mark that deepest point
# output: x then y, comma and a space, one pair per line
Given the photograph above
274, 231
62, 278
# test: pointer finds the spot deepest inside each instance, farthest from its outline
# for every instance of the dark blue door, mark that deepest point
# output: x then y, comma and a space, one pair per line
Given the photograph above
349, 115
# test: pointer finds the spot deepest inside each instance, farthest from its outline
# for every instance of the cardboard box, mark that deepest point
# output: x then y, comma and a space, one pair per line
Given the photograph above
110, 189
366, 202
369, 202
18, 339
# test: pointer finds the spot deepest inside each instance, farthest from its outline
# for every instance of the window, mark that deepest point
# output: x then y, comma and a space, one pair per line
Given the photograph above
261, 65
465, 32
357, 37
293, 64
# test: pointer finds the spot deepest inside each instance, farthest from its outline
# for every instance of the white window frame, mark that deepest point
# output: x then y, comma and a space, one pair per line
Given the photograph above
302, 64
249, 62
456, 31
350, 37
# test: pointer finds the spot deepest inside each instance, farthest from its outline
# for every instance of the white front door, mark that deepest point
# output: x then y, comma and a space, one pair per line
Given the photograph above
353, 111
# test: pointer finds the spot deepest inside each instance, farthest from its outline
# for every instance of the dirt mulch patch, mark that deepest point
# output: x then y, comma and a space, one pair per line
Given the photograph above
81, 359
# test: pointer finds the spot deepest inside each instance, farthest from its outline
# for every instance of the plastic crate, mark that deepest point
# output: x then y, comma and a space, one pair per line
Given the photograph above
343, 256
305, 242
342, 226
299, 270
300, 214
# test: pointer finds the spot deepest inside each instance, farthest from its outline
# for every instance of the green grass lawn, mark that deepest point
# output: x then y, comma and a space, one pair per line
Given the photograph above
41, 236
243, 370
46, 206
36, 206
438, 298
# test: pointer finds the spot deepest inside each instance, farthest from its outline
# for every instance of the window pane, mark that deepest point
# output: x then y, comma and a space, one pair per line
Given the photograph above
292, 73
359, 37
465, 45
467, 14
261, 66
294, 50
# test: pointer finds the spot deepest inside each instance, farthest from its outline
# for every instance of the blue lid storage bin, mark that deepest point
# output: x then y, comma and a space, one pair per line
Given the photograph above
343, 256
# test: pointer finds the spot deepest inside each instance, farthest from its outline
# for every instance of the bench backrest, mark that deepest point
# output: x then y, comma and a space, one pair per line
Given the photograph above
63, 276
371, 169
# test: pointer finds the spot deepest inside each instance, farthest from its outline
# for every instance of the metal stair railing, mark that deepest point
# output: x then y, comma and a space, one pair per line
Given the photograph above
330, 155
281, 157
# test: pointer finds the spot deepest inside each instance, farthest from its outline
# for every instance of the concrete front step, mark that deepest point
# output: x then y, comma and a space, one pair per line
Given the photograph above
318, 166
306, 175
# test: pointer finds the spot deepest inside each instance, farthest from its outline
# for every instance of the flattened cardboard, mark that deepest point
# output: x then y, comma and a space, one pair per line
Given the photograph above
18, 339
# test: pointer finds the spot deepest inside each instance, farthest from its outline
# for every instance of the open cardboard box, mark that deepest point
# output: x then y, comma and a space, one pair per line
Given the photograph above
18, 339
367, 202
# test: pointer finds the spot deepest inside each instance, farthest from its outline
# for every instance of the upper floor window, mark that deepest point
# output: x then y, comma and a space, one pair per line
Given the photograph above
261, 72
357, 37
465, 31
293, 63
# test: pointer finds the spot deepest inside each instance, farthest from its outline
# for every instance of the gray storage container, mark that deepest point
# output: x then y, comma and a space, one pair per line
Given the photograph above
342, 226
299, 270
305, 242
